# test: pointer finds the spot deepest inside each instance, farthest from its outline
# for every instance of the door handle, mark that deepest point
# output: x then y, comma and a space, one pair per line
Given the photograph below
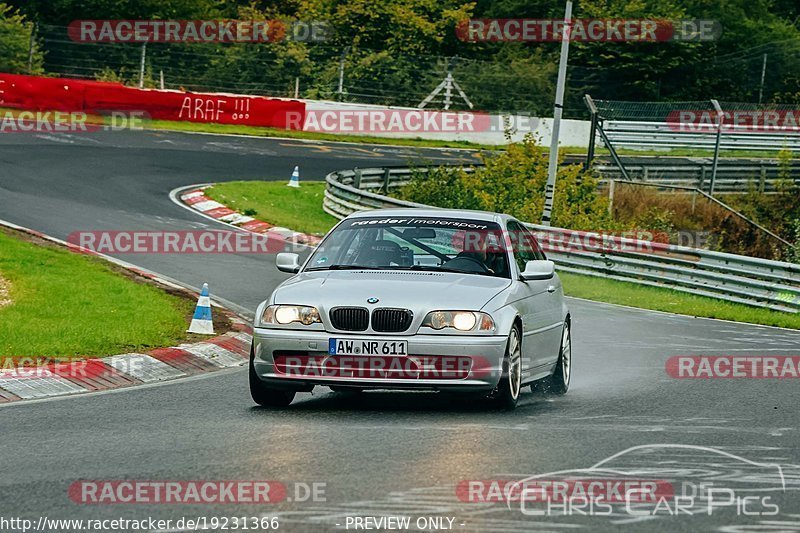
551, 288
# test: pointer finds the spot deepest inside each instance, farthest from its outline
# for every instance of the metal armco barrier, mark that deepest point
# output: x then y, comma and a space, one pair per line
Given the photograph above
648, 134
734, 278
731, 177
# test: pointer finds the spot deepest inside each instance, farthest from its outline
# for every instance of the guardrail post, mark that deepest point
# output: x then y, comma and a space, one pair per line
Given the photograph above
142, 65
357, 178
718, 109
762, 182
702, 176
386, 174
611, 196
32, 46
614, 154
592, 130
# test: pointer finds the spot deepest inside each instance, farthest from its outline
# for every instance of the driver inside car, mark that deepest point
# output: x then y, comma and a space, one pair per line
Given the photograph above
477, 252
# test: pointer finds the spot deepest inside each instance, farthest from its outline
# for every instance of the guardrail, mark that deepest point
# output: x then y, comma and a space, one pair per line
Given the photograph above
731, 177
648, 134
735, 278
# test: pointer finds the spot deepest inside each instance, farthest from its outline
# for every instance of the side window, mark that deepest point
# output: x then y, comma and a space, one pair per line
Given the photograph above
519, 245
534, 245
524, 245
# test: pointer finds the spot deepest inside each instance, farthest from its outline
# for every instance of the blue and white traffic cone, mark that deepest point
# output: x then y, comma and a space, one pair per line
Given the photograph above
294, 181
201, 321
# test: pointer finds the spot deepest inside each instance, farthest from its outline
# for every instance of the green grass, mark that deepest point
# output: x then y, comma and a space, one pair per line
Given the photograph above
272, 201
661, 299
70, 305
236, 129
301, 210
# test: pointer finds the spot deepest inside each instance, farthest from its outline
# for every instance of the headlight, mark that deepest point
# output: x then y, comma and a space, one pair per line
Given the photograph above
286, 314
460, 320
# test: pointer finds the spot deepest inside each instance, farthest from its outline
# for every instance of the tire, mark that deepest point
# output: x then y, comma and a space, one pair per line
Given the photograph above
558, 382
506, 395
264, 395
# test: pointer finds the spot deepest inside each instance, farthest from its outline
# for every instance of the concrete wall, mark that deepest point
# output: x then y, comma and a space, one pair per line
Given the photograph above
489, 131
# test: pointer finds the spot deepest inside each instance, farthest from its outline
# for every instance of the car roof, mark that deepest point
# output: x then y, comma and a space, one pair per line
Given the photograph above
433, 212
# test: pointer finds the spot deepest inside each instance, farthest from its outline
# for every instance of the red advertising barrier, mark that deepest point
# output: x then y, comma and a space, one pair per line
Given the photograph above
58, 94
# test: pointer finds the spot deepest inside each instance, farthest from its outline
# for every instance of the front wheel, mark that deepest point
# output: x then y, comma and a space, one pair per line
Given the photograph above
506, 395
264, 395
558, 383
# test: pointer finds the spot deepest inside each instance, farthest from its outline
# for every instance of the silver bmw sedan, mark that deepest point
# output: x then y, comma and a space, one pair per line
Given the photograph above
432, 299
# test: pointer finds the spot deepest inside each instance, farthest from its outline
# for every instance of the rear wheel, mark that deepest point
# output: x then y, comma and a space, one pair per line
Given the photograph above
506, 395
264, 395
558, 383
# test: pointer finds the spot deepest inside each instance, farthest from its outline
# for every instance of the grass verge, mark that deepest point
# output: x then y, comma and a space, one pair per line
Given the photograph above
663, 299
272, 201
236, 129
70, 305
301, 210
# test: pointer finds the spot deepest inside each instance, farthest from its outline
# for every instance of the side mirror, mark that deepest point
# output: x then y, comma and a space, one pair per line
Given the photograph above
540, 269
287, 262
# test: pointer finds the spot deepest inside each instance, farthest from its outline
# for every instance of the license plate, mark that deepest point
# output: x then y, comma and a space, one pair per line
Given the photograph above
366, 347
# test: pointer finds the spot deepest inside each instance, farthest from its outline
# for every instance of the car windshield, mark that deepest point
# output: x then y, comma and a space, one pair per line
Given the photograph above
424, 243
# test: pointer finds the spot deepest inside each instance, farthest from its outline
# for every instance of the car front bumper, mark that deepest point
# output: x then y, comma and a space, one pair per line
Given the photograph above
296, 359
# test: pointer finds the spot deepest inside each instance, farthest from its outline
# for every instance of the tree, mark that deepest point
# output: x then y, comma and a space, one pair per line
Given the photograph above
15, 41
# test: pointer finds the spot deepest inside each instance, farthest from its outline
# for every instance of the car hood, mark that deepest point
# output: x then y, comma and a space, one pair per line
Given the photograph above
418, 291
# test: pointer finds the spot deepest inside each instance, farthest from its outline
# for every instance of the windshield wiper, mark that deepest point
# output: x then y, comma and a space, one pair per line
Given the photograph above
431, 268
343, 267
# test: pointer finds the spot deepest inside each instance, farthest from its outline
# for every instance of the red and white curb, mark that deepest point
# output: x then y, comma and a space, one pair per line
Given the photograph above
96, 374
90, 375
195, 198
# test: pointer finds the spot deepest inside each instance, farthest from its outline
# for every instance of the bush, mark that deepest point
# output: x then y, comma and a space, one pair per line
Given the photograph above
793, 253
15, 40
513, 182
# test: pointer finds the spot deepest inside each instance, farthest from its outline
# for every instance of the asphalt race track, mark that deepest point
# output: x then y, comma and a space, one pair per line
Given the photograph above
378, 453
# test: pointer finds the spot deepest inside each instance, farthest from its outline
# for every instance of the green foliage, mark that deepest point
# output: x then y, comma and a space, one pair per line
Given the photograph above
785, 157
793, 253
630, 70
393, 26
397, 51
15, 41
513, 182
779, 211
128, 77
